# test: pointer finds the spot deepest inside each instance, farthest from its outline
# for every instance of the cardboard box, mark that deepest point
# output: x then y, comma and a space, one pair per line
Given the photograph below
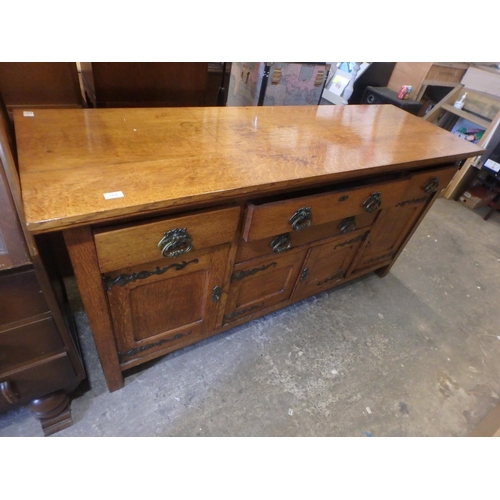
476, 197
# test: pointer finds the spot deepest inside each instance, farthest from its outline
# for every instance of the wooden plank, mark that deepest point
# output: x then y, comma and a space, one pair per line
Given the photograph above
483, 81
481, 104
468, 116
409, 73
447, 72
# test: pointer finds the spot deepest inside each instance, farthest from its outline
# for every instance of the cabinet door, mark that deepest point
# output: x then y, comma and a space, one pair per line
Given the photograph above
389, 231
167, 305
327, 264
393, 224
261, 283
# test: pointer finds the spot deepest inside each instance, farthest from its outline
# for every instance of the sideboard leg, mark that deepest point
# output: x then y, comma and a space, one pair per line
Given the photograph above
83, 255
383, 271
53, 412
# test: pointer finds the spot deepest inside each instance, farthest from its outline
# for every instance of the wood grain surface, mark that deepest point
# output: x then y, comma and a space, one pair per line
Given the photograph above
168, 157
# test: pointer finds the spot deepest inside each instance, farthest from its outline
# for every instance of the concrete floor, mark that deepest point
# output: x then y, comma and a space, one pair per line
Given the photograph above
414, 354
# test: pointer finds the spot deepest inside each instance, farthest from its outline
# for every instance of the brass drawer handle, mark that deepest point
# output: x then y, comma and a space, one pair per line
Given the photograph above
175, 242
8, 392
373, 202
431, 186
347, 225
281, 243
301, 219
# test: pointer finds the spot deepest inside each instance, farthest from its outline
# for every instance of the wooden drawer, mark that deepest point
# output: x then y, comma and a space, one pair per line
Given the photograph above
23, 343
275, 244
20, 297
20, 386
270, 219
139, 243
423, 185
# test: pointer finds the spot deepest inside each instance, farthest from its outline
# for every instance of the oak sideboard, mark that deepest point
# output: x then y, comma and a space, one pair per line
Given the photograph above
184, 222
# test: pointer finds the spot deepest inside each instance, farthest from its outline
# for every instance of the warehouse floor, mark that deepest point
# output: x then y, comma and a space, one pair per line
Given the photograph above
416, 353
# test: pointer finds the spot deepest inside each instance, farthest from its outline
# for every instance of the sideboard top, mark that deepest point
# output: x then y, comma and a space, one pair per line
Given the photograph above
80, 166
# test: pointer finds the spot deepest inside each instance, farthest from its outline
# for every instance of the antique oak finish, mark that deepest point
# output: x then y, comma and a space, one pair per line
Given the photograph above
184, 222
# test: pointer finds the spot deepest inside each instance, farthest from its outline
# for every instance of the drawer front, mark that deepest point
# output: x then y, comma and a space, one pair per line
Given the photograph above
166, 238
19, 387
293, 239
24, 343
269, 219
423, 185
20, 297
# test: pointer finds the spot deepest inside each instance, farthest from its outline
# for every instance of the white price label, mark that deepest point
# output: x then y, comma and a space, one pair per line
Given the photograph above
115, 194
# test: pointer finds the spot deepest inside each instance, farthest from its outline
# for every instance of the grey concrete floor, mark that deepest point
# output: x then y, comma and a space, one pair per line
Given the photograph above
416, 353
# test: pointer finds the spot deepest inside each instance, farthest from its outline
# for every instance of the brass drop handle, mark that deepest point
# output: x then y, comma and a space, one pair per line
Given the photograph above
8, 392
281, 243
431, 186
347, 225
373, 202
301, 219
175, 242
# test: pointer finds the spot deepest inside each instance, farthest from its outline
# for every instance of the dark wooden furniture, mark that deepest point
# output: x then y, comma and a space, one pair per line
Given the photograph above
39, 361
184, 222
40, 84
146, 84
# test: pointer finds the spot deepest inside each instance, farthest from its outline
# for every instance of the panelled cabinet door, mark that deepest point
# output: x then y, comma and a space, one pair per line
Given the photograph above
328, 263
389, 231
394, 224
261, 283
170, 303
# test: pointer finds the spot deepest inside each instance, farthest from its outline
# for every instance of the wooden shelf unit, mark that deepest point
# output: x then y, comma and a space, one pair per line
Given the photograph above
481, 108
422, 74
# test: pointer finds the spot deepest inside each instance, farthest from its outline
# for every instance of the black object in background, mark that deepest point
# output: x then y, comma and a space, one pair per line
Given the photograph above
383, 95
377, 74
